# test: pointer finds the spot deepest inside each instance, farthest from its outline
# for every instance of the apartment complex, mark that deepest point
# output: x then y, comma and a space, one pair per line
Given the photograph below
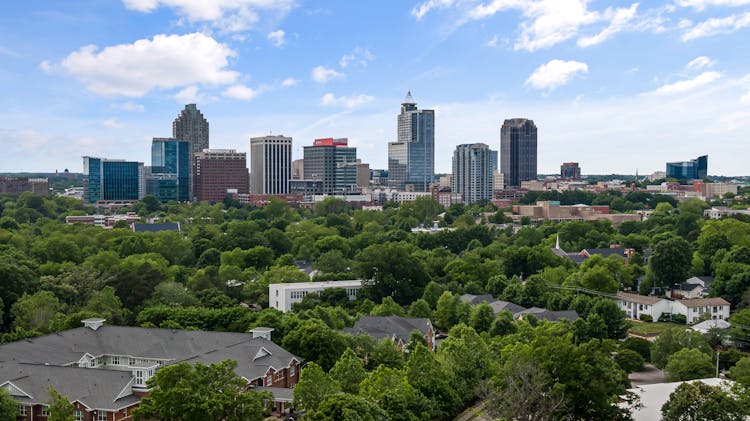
473, 167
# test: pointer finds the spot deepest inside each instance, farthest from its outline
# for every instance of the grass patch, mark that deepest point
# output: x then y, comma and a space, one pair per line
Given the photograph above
649, 328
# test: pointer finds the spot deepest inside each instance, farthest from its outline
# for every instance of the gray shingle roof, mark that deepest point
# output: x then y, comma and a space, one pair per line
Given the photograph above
94, 388
499, 306
477, 299
385, 327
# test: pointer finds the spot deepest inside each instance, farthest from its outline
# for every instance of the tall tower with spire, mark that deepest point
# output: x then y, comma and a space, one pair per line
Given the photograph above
411, 159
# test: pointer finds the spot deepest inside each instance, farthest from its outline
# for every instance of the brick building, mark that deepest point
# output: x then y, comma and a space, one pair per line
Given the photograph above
218, 171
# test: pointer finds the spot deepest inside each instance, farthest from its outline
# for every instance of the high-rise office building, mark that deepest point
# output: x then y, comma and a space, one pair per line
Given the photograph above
218, 172
191, 127
473, 165
112, 180
271, 164
169, 176
334, 162
518, 151
570, 171
411, 159
696, 169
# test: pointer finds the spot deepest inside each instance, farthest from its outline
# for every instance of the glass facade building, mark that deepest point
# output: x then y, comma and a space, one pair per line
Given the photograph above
696, 169
473, 167
170, 170
192, 127
411, 159
518, 151
111, 180
334, 163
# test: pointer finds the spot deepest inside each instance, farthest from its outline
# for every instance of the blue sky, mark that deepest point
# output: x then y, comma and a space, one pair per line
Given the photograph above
616, 86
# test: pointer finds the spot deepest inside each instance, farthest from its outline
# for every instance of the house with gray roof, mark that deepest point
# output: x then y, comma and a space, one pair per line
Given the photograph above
394, 328
128, 357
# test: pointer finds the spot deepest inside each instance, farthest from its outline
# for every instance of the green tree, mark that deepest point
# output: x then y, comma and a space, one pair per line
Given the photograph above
503, 324
35, 312
420, 308
346, 407
699, 401
106, 304
599, 278
689, 364
467, 357
640, 345
387, 308
201, 392
481, 317
313, 386
741, 372
674, 339
670, 262
613, 317
389, 389
349, 372
8, 405
431, 379
629, 360
314, 341
391, 270
60, 408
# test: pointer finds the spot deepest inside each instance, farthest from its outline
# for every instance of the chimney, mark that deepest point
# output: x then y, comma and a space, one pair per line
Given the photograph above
93, 323
262, 332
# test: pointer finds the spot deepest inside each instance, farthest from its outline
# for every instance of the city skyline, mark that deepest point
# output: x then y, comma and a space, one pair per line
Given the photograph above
74, 86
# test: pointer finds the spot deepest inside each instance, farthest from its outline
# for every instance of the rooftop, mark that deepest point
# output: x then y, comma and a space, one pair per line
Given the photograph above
640, 299
704, 302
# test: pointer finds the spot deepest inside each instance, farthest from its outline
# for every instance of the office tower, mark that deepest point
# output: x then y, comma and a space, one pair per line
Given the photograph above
298, 169
191, 127
411, 159
696, 169
271, 164
112, 180
570, 171
218, 171
363, 174
518, 151
333, 162
168, 178
472, 172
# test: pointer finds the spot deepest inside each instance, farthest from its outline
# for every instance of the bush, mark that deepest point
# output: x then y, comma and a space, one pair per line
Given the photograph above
628, 360
646, 318
639, 345
679, 318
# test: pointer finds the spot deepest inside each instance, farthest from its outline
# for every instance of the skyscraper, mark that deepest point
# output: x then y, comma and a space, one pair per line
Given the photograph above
218, 171
695, 169
333, 162
518, 151
570, 171
170, 170
473, 165
411, 159
112, 180
271, 164
191, 127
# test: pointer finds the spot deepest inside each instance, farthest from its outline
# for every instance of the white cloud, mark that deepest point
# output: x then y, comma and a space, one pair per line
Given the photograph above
345, 101
46, 67
620, 20
240, 92
323, 74
128, 106
700, 63
689, 85
360, 56
492, 42
164, 62
425, 7
745, 99
289, 82
556, 73
717, 26
277, 38
702, 4
112, 124
227, 15
188, 95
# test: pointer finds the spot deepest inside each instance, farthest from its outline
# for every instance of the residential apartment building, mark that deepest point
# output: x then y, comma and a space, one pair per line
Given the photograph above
518, 151
698, 309
333, 162
411, 159
395, 329
218, 173
271, 164
473, 165
635, 305
282, 296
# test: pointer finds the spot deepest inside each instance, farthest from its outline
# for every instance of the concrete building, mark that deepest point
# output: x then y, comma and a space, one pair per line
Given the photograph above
111, 180
14, 186
282, 296
363, 175
219, 172
411, 159
472, 172
552, 210
695, 169
333, 162
191, 127
270, 164
518, 151
570, 171
298, 169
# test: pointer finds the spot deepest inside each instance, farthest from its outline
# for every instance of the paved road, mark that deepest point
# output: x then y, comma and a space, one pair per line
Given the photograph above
649, 375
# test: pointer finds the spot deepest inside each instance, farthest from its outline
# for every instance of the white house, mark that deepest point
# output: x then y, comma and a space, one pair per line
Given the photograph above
635, 305
282, 296
695, 309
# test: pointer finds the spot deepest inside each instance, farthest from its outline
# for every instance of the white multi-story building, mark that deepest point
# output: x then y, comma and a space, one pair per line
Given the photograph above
694, 309
271, 164
635, 305
282, 296
698, 309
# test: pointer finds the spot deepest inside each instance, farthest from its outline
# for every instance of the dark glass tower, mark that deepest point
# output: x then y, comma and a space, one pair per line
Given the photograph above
518, 151
170, 170
334, 163
111, 180
411, 159
191, 127
696, 169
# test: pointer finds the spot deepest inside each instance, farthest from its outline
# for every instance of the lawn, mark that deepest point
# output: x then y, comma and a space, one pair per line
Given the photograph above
649, 328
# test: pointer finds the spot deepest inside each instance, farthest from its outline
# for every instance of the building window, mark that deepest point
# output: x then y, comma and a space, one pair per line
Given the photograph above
139, 377
45, 411
131, 361
78, 415
116, 360
291, 370
269, 380
714, 309
102, 416
22, 409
